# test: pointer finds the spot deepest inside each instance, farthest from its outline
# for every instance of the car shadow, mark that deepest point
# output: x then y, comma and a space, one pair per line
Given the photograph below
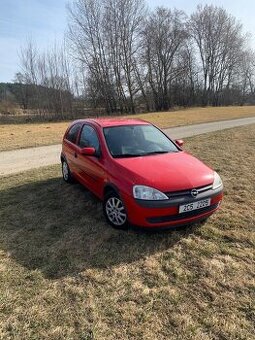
60, 230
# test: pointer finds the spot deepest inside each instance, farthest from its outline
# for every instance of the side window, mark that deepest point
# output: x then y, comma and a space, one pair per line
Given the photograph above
89, 138
73, 133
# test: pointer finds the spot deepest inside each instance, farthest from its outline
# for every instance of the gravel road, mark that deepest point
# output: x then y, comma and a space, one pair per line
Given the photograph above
24, 159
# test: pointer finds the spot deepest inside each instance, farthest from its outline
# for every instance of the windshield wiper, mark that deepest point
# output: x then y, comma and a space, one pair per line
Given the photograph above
155, 152
126, 155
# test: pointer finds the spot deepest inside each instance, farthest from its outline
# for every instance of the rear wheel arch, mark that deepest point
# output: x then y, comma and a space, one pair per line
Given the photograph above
62, 158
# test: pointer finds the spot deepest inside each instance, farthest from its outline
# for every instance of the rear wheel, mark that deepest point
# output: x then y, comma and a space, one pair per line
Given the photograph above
67, 176
114, 211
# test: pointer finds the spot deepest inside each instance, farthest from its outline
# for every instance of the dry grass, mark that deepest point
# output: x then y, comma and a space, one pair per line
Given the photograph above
15, 136
198, 115
64, 274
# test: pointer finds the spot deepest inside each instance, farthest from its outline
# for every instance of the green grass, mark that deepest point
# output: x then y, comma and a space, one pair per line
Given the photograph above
65, 274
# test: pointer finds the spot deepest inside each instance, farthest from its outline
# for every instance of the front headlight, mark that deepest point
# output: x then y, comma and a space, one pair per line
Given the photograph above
217, 181
143, 192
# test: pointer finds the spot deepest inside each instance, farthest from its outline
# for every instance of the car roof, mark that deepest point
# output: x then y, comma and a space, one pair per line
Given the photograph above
107, 122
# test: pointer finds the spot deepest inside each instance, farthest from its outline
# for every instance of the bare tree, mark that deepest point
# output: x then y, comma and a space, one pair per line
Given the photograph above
219, 40
105, 36
48, 75
124, 19
164, 35
28, 60
86, 35
123, 58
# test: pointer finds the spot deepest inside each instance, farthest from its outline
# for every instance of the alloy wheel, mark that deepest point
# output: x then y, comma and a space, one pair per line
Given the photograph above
65, 171
115, 211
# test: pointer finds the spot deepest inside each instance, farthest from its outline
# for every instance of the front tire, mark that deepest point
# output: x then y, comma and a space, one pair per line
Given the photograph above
66, 173
114, 211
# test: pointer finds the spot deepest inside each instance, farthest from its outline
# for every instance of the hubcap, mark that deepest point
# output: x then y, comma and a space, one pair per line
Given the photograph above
116, 211
65, 170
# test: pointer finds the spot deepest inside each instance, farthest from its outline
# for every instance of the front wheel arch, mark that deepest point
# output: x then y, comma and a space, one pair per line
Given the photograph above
110, 187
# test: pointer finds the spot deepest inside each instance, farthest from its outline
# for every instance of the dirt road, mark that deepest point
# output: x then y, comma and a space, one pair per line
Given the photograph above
25, 159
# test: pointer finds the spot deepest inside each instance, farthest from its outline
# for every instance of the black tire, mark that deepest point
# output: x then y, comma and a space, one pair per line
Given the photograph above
66, 173
114, 211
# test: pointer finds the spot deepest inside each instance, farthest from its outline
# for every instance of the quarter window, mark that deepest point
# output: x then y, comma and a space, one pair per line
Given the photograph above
73, 133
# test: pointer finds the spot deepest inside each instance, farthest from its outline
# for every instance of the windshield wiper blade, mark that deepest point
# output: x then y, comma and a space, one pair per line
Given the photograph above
155, 152
126, 155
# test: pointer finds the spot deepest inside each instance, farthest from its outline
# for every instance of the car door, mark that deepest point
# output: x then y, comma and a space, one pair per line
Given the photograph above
90, 168
70, 147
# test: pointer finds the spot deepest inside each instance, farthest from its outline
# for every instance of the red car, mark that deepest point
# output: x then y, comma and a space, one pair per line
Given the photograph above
141, 175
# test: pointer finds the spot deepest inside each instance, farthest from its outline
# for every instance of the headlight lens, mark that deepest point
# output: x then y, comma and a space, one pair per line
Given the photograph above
143, 192
217, 181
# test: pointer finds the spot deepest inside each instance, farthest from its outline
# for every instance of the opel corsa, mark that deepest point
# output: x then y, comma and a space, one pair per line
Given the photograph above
142, 176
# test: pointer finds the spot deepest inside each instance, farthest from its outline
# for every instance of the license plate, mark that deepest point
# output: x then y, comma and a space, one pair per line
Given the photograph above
194, 205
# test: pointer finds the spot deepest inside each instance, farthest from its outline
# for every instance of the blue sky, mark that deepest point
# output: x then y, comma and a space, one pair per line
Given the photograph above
45, 22
42, 20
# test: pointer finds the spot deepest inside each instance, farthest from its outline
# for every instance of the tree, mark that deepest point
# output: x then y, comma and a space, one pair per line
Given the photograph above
219, 39
123, 58
46, 79
164, 35
105, 35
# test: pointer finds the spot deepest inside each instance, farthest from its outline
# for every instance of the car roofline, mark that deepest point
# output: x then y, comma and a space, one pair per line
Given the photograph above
116, 122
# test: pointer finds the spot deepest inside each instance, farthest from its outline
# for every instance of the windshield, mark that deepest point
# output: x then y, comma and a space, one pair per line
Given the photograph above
137, 140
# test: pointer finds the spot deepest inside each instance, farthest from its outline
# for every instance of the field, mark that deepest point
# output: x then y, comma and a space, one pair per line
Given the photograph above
65, 274
15, 136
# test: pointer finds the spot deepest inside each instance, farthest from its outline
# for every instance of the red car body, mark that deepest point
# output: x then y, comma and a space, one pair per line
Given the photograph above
177, 175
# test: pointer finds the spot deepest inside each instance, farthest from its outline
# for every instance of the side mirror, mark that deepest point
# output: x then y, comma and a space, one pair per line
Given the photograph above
88, 151
179, 142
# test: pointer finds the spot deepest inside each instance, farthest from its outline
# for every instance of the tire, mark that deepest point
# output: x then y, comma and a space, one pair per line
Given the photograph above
114, 211
66, 173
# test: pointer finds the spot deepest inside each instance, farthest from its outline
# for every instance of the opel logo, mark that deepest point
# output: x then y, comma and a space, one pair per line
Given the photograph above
194, 193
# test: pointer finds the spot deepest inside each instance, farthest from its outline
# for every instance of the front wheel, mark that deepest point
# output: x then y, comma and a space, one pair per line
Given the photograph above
114, 211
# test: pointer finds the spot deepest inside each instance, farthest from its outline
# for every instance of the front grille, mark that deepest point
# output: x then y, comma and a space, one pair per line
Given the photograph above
185, 193
171, 218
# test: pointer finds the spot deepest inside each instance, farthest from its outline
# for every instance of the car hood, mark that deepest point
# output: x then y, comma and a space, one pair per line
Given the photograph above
167, 172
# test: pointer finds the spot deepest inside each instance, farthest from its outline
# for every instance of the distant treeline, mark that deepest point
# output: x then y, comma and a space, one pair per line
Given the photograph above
120, 57
36, 98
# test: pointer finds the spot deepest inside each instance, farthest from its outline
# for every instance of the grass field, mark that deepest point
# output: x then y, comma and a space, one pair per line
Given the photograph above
65, 274
15, 136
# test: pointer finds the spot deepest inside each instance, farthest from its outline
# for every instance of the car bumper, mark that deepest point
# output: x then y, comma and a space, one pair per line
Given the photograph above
146, 214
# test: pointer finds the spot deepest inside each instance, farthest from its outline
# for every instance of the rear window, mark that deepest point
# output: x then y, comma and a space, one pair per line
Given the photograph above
73, 133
